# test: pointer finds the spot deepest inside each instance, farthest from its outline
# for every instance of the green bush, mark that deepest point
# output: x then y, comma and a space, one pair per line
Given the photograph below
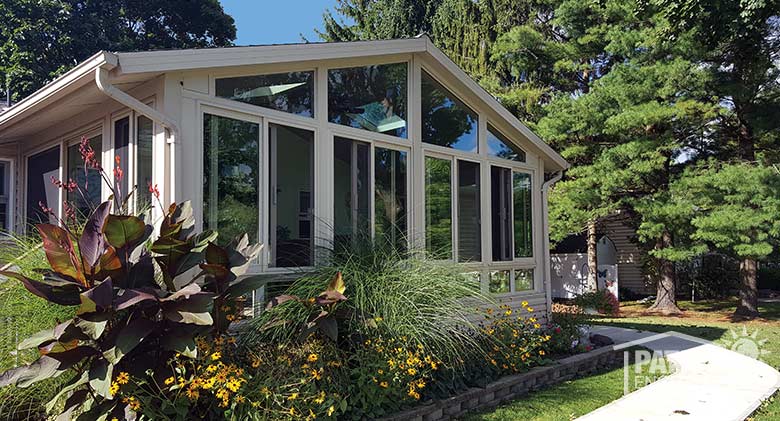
602, 301
414, 297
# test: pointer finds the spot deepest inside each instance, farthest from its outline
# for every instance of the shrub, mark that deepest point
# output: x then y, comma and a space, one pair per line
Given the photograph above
514, 343
564, 328
416, 298
602, 301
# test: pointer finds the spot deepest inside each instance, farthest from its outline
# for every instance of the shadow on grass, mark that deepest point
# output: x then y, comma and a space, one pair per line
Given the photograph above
709, 333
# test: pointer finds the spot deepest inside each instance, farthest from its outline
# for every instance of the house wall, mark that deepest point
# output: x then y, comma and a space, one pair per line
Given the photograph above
628, 255
190, 94
94, 120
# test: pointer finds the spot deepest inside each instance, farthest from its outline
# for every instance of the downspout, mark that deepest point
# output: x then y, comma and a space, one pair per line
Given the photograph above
546, 229
120, 96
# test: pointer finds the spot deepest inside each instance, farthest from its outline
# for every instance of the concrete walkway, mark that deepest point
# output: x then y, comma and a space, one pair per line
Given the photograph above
710, 383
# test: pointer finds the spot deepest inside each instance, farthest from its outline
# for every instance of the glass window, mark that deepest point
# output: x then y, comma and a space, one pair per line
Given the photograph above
524, 279
390, 197
291, 196
521, 198
469, 233
143, 162
500, 147
291, 92
438, 207
371, 98
87, 196
351, 191
41, 167
230, 177
5, 178
501, 212
122, 151
446, 120
500, 282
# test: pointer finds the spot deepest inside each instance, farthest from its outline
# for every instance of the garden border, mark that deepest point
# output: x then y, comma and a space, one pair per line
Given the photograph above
511, 387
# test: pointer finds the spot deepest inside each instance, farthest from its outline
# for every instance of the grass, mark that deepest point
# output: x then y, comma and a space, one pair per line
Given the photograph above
711, 320
562, 402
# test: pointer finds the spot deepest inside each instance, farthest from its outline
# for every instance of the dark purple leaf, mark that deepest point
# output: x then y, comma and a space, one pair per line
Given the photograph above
99, 298
130, 297
92, 243
65, 293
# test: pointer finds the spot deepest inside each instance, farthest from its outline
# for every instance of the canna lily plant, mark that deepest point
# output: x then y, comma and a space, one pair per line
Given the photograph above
140, 301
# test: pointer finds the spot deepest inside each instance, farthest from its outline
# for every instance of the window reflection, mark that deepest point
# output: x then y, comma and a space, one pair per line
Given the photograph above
469, 233
390, 203
291, 195
41, 167
351, 191
501, 212
143, 162
500, 147
446, 120
438, 207
87, 196
289, 92
230, 177
500, 281
524, 279
371, 98
521, 197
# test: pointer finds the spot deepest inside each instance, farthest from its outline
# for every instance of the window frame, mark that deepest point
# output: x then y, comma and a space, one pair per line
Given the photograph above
10, 194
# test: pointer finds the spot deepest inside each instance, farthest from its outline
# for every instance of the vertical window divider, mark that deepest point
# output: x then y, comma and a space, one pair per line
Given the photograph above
454, 208
265, 185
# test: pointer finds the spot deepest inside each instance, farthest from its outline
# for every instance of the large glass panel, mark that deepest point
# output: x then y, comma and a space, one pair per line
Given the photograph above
390, 197
41, 168
501, 212
521, 198
446, 120
500, 147
87, 196
371, 98
4, 188
122, 152
469, 234
500, 282
230, 177
524, 279
291, 92
143, 162
351, 191
291, 196
438, 207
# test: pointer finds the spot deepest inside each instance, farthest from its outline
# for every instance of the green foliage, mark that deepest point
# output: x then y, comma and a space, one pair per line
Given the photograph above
44, 39
130, 315
414, 297
602, 301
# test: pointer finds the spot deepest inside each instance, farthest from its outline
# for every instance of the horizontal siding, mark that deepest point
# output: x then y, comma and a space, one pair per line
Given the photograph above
629, 255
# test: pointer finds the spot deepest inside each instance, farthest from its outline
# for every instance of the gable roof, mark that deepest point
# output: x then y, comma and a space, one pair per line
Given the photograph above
134, 66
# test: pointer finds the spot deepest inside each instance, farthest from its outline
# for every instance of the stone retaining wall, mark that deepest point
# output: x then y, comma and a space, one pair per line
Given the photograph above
511, 387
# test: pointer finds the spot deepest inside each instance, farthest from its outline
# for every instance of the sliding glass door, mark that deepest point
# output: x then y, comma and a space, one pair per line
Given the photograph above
41, 167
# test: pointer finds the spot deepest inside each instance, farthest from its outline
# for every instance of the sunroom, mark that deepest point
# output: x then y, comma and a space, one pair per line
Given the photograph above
303, 147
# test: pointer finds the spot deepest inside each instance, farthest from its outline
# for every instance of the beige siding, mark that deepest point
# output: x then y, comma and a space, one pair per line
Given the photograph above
629, 255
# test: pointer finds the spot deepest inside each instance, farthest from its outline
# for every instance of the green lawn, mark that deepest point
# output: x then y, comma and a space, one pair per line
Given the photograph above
706, 319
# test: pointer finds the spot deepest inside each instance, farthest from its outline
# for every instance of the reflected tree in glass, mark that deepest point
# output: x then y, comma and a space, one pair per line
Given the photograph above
88, 196
230, 177
469, 233
370, 97
446, 120
351, 191
499, 281
521, 197
291, 92
390, 202
524, 279
438, 207
500, 147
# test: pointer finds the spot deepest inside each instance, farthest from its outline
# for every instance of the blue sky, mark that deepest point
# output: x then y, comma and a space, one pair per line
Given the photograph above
276, 21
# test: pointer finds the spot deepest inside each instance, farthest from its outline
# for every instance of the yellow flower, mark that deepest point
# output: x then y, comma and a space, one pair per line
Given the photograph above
383, 385
380, 371
211, 368
331, 410
240, 399
537, 326
420, 384
292, 411
192, 394
293, 397
215, 356
541, 352
169, 380
434, 366
411, 371
209, 383
123, 378
530, 309
312, 358
230, 317
233, 385
508, 312
114, 388
524, 304
316, 375
219, 340
321, 398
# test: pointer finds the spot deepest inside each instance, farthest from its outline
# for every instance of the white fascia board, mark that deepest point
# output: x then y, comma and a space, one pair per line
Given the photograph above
549, 153
75, 77
176, 60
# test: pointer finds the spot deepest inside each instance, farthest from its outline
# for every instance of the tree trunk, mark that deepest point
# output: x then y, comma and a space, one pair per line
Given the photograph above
748, 289
593, 265
666, 298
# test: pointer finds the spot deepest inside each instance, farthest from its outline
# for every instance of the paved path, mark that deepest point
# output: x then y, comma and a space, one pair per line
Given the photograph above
710, 383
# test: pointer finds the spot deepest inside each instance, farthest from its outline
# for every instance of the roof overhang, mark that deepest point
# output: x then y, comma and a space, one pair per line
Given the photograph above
137, 66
